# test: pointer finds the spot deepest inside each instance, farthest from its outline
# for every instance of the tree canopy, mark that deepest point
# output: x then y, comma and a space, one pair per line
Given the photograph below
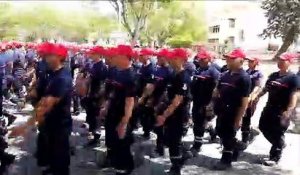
283, 21
46, 22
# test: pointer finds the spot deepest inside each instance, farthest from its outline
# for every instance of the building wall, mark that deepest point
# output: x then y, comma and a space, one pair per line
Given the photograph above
249, 23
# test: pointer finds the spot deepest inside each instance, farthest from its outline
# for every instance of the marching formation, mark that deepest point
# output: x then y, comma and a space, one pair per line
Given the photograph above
164, 91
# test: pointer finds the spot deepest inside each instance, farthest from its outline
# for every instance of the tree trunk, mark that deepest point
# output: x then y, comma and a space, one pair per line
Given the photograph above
289, 39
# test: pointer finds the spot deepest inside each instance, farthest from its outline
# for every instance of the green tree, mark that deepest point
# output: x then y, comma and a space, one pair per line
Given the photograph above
283, 21
177, 23
133, 15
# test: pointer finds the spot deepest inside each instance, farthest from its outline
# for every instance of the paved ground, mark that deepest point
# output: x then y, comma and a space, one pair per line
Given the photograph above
84, 161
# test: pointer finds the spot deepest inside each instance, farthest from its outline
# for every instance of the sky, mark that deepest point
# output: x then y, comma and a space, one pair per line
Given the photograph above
104, 6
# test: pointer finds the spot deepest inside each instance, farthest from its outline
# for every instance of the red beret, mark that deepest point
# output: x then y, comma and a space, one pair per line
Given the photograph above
204, 54
236, 53
99, 50
146, 52
163, 53
179, 53
290, 57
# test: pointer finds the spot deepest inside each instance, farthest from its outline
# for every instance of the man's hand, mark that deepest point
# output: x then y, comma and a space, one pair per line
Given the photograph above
141, 100
121, 129
238, 124
160, 120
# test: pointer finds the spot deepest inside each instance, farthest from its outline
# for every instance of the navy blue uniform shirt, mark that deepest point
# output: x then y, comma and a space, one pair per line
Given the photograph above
233, 87
123, 86
111, 74
162, 77
180, 85
280, 88
203, 83
256, 78
98, 74
145, 76
60, 86
42, 75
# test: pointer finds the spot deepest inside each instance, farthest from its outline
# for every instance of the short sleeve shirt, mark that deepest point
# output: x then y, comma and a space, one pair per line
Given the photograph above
203, 83
233, 87
60, 86
280, 88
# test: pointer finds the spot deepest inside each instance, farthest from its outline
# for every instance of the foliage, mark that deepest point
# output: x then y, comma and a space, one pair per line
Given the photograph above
283, 21
177, 22
133, 15
46, 22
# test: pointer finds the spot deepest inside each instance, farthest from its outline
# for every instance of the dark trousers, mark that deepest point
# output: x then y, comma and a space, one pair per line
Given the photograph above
147, 118
246, 123
173, 132
54, 151
200, 120
42, 154
76, 102
227, 132
273, 127
118, 152
159, 131
92, 114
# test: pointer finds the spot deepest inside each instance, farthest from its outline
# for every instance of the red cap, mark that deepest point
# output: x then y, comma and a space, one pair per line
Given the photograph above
43, 48
163, 53
124, 50
146, 52
290, 57
204, 54
60, 50
99, 50
255, 59
53, 49
179, 53
135, 54
236, 53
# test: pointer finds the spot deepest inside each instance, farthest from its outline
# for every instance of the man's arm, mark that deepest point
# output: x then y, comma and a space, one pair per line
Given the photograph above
172, 107
129, 104
148, 90
44, 106
241, 111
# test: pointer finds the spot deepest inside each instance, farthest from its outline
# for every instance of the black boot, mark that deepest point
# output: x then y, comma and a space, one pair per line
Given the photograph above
174, 170
275, 156
225, 162
196, 148
235, 155
245, 137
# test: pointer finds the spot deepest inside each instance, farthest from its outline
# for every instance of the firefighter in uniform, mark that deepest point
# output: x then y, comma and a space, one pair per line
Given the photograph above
158, 98
282, 87
53, 111
202, 87
145, 87
174, 115
232, 94
256, 76
95, 95
118, 136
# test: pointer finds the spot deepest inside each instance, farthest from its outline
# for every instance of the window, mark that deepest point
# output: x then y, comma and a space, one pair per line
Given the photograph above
231, 39
214, 40
242, 35
231, 22
216, 29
